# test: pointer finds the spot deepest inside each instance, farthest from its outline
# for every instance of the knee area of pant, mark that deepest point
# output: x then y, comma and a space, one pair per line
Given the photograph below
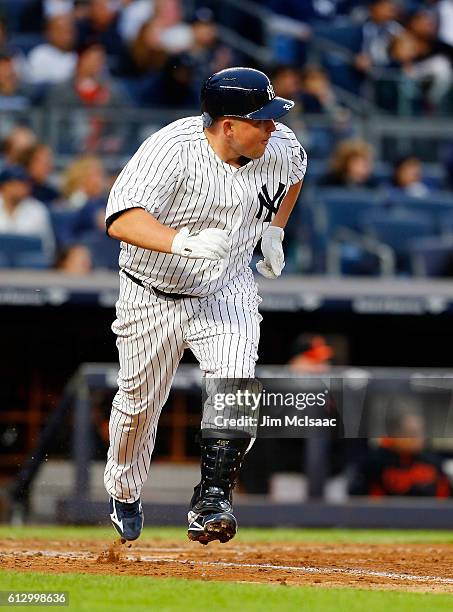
130, 403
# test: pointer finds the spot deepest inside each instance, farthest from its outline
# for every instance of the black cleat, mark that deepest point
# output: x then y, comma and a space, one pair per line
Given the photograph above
211, 518
127, 519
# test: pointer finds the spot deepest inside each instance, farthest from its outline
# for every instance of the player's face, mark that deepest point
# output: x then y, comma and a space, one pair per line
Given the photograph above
249, 137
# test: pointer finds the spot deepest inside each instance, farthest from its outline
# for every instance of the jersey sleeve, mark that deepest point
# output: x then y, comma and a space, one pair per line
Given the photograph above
298, 161
296, 153
299, 165
149, 178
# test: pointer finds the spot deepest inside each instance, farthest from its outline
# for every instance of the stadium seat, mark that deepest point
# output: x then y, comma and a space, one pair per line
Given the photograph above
337, 46
301, 238
104, 250
396, 228
322, 139
382, 172
37, 261
432, 256
354, 260
62, 224
345, 207
434, 175
315, 170
446, 223
347, 35
3, 261
437, 205
23, 251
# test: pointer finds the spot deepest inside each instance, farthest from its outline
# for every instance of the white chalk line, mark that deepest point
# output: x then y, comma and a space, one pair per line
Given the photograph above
304, 569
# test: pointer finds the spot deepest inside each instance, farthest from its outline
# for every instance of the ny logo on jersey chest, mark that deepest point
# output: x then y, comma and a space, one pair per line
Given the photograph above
270, 204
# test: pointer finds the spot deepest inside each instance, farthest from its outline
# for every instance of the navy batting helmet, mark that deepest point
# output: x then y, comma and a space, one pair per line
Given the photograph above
241, 92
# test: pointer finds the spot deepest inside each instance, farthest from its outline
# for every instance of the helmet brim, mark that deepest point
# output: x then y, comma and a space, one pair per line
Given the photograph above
276, 108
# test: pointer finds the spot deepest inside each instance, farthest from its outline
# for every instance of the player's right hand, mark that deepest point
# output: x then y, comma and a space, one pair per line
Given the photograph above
209, 243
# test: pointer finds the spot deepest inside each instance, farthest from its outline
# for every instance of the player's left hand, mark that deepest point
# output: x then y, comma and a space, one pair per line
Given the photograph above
271, 247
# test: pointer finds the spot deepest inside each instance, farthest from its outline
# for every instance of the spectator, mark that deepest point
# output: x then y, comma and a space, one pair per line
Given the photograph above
400, 465
144, 55
38, 162
14, 96
84, 200
377, 32
173, 87
134, 14
91, 88
173, 34
431, 67
75, 260
81, 9
401, 96
7, 48
84, 180
55, 60
318, 96
19, 213
407, 177
59, 7
286, 80
312, 353
100, 27
17, 141
91, 85
3, 33
445, 21
313, 93
351, 166
163, 35
207, 54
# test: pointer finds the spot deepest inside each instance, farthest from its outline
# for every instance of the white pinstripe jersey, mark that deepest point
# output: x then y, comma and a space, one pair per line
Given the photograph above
176, 176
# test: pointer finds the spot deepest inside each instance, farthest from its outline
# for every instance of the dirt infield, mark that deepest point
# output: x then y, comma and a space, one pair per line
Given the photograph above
405, 567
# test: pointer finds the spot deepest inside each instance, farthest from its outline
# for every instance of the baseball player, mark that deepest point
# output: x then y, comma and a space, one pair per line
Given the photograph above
189, 208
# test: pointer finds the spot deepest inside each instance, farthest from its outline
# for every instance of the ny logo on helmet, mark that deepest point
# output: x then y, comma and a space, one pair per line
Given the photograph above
270, 92
287, 106
271, 204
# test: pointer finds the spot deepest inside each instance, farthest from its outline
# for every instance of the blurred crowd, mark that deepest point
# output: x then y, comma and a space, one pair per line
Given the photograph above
65, 216
403, 49
107, 53
158, 52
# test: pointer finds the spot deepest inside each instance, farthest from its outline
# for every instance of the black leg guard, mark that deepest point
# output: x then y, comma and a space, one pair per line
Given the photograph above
211, 514
221, 460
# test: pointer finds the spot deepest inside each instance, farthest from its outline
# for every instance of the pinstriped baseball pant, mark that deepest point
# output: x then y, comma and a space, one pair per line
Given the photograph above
222, 330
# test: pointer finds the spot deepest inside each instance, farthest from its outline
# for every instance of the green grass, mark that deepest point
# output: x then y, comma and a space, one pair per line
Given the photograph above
113, 593
245, 534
